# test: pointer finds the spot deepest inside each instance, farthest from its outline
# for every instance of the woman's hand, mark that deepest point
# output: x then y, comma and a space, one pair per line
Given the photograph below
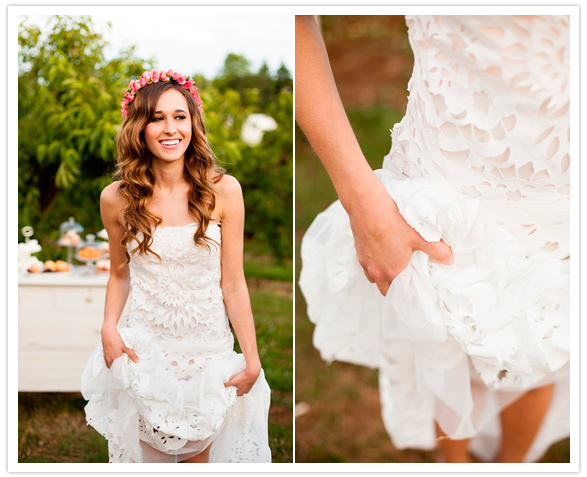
114, 346
245, 380
384, 241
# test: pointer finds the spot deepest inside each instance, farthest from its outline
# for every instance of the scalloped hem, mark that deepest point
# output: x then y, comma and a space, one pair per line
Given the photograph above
134, 402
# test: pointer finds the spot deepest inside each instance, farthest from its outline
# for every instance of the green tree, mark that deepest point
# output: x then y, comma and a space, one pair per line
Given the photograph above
266, 174
68, 115
236, 66
266, 170
237, 75
284, 80
224, 114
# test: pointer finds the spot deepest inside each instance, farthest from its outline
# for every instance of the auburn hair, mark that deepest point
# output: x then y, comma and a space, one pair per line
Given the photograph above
137, 179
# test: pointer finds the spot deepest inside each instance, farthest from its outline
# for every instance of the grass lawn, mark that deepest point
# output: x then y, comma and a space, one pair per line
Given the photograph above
343, 422
52, 426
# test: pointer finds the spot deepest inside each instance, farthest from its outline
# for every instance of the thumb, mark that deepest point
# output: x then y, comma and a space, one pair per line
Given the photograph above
438, 251
131, 354
232, 381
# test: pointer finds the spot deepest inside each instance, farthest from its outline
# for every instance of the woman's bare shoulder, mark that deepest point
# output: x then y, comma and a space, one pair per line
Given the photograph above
111, 201
229, 195
110, 194
228, 186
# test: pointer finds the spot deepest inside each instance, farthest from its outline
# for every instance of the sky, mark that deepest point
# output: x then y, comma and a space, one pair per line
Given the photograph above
182, 39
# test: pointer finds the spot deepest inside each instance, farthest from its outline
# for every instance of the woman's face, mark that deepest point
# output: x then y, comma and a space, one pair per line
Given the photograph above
169, 133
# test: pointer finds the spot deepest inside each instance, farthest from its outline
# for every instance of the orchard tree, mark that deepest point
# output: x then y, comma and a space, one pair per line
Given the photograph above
265, 170
266, 175
68, 111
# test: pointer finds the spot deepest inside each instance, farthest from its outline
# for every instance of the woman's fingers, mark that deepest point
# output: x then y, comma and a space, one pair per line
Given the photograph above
383, 286
235, 380
131, 354
230, 382
382, 280
240, 382
438, 251
369, 277
109, 359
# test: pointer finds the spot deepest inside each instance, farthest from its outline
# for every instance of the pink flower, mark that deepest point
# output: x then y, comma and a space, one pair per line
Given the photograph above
154, 76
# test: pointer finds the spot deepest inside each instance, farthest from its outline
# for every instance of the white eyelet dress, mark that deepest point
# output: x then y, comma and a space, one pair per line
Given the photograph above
172, 404
481, 160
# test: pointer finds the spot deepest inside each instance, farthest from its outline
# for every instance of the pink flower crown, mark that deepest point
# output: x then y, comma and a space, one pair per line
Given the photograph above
154, 76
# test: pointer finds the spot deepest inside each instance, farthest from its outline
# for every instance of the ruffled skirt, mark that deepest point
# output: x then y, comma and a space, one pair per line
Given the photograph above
148, 415
453, 344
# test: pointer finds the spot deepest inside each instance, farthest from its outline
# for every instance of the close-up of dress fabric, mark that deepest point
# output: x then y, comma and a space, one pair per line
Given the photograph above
481, 161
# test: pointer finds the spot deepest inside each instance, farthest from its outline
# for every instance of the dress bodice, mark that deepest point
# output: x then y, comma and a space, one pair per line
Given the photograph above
178, 299
488, 112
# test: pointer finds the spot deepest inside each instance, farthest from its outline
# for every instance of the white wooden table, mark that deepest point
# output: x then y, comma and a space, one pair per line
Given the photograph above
59, 320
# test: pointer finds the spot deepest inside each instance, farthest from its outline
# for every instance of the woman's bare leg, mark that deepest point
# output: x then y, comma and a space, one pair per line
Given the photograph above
452, 451
202, 457
521, 421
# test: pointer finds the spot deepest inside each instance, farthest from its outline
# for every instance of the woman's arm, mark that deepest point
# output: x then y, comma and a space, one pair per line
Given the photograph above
234, 286
383, 239
119, 281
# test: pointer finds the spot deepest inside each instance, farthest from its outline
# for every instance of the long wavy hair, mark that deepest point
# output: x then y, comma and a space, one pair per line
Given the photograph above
135, 172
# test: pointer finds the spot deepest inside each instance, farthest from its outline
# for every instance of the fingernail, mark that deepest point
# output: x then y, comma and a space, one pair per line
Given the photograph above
451, 260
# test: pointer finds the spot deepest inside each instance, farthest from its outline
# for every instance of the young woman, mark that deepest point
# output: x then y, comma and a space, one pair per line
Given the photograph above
168, 387
448, 269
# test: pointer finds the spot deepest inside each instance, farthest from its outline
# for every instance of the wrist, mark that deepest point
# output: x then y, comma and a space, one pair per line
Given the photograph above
353, 184
253, 364
108, 329
364, 195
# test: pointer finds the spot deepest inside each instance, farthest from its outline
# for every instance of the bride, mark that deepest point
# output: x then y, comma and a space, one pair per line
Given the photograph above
169, 387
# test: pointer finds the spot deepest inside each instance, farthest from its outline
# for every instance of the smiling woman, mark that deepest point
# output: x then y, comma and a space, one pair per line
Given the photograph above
169, 387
